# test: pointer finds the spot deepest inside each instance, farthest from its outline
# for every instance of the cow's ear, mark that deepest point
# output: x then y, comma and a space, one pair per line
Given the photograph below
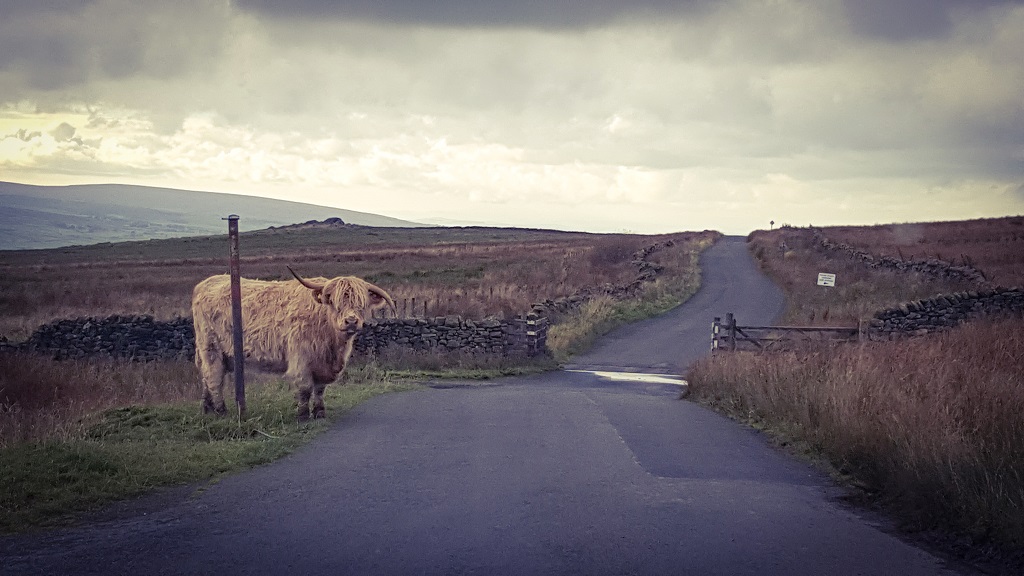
318, 295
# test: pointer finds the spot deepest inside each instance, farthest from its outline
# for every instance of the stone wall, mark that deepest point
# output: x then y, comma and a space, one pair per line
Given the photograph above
132, 337
932, 267
942, 312
143, 338
450, 333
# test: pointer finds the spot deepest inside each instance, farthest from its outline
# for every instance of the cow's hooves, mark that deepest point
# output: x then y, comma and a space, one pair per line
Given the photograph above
302, 416
209, 408
321, 413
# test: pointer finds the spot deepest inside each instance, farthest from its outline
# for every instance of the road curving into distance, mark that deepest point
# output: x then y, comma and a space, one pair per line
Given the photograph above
575, 472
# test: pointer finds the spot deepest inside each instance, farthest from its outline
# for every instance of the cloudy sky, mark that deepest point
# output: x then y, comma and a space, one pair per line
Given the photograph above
601, 115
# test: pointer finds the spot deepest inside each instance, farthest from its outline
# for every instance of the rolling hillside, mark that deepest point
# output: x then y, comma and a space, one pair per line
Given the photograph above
53, 216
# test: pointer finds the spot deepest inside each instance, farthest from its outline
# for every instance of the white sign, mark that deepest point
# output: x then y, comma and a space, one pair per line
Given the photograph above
825, 279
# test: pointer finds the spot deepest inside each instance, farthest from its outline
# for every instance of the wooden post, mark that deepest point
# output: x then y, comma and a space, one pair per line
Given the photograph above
236, 315
730, 322
716, 326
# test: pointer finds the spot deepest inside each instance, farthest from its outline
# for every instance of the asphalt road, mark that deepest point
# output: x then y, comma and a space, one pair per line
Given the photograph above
563, 473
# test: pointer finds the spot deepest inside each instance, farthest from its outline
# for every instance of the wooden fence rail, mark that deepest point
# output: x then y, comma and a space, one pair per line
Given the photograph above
727, 335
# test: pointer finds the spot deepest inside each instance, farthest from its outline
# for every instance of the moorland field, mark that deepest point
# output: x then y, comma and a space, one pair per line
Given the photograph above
473, 272
930, 427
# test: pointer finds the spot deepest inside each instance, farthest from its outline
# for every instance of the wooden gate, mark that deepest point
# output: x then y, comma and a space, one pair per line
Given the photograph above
727, 335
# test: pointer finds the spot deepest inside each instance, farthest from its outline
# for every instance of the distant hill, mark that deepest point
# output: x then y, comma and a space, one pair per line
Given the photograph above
54, 216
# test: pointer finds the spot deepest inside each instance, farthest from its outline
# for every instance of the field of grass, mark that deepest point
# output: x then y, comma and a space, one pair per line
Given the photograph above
77, 434
930, 428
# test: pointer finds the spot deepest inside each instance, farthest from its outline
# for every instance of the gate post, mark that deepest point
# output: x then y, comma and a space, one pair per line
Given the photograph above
716, 326
730, 322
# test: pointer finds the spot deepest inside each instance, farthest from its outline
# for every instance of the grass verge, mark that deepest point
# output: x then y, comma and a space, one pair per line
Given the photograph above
126, 451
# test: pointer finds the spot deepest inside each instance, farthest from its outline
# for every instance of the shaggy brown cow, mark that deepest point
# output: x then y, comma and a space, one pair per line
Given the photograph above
304, 329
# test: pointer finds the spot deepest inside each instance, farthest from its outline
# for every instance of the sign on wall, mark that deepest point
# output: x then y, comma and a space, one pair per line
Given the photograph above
825, 279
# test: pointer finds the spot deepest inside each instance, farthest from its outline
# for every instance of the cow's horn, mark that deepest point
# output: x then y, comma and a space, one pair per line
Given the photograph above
305, 283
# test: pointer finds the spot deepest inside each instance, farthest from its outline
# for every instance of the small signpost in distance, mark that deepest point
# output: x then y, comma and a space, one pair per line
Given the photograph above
825, 279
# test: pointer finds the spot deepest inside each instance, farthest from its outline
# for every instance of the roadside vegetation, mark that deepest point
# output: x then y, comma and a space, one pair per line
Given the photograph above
62, 455
76, 434
929, 427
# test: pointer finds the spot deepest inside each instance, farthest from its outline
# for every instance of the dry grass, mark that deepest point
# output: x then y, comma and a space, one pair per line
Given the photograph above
932, 426
41, 398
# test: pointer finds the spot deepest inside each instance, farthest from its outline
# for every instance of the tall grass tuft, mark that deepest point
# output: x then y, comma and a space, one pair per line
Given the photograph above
932, 426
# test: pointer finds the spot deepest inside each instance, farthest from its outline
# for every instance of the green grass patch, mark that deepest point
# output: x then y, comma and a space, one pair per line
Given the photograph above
124, 452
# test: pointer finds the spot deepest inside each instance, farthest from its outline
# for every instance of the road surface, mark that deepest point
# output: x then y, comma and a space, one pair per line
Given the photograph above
562, 473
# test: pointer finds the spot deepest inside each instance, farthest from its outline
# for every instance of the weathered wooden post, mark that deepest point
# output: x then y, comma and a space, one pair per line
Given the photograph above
236, 315
730, 325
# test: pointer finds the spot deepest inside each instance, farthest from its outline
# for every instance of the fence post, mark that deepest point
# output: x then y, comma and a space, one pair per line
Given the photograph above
716, 326
730, 322
236, 315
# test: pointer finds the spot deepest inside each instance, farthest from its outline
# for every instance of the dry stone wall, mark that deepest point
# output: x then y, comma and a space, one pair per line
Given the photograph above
932, 267
942, 312
143, 338
130, 337
450, 333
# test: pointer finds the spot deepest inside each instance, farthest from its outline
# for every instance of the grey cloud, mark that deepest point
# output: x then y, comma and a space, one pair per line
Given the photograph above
63, 132
901, 20
461, 13
52, 45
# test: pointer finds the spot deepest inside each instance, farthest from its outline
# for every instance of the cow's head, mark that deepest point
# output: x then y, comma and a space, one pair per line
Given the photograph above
350, 298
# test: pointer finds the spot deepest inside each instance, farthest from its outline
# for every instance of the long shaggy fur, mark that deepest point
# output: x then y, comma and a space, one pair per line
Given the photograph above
287, 327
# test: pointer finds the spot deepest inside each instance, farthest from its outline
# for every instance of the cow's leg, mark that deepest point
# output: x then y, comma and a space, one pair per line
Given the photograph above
303, 382
318, 399
211, 365
302, 403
